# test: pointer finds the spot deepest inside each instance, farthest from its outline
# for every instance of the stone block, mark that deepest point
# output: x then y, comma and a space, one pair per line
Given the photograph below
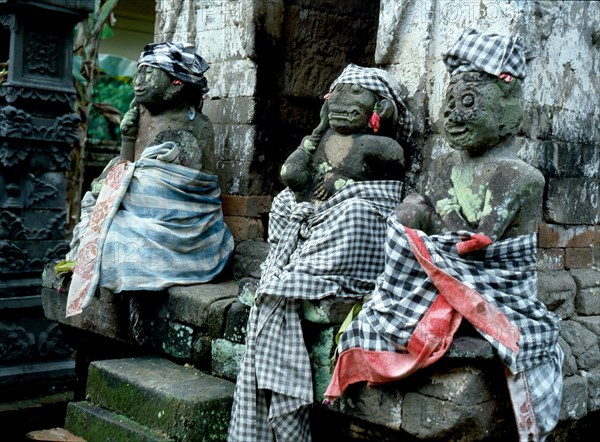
550, 259
191, 304
244, 229
234, 142
201, 349
557, 290
580, 210
176, 339
241, 176
101, 317
236, 322
382, 405
94, 423
180, 402
232, 78
587, 300
227, 40
575, 398
583, 343
554, 236
592, 323
234, 110
252, 206
426, 417
249, 255
226, 358
569, 367
579, 258
563, 159
593, 387
217, 314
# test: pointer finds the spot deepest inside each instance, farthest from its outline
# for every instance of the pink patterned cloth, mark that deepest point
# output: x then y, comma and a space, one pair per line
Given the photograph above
86, 273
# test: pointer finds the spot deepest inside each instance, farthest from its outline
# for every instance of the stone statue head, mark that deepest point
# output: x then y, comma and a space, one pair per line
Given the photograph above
482, 106
170, 74
366, 100
480, 111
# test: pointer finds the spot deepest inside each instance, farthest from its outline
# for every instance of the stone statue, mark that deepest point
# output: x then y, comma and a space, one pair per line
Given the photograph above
482, 186
167, 108
153, 219
326, 236
465, 250
355, 141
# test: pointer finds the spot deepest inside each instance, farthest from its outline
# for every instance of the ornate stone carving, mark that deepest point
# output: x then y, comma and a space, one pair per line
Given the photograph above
16, 123
11, 226
42, 54
26, 154
11, 93
15, 342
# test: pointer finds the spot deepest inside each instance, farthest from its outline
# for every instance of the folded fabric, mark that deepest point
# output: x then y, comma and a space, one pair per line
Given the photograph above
155, 224
427, 288
331, 249
491, 53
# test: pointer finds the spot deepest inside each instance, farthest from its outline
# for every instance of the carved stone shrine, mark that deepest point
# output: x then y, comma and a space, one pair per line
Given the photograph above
37, 128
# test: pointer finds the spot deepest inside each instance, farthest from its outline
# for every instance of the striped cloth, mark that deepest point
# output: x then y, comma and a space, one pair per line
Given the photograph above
492, 53
156, 224
425, 291
179, 60
331, 249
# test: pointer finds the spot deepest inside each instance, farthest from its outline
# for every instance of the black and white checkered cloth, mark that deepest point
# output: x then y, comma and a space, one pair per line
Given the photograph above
333, 249
504, 274
179, 60
384, 84
491, 53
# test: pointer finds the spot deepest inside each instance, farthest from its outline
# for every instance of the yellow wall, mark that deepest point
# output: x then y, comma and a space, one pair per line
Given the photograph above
133, 29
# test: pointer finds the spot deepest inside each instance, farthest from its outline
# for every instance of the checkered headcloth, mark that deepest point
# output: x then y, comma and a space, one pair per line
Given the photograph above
179, 60
382, 83
491, 53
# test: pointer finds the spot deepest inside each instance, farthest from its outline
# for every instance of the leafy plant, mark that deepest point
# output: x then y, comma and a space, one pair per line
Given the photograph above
88, 35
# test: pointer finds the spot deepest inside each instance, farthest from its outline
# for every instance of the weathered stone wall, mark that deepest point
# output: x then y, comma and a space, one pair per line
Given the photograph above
271, 63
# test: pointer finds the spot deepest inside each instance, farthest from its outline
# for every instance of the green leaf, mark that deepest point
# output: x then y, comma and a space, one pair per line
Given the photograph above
77, 62
117, 67
107, 31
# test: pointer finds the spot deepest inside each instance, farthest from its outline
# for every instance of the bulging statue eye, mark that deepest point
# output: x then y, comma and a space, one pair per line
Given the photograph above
468, 100
356, 89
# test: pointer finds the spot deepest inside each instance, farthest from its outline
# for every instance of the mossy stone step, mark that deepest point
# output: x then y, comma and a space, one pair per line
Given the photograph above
180, 402
95, 424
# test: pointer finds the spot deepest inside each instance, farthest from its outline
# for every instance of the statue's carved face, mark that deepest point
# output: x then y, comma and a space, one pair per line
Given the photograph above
476, 115
152, 86
350, 107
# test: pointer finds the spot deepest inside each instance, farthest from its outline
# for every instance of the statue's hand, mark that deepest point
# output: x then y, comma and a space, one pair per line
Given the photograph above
129, 123
328, 184
321, 192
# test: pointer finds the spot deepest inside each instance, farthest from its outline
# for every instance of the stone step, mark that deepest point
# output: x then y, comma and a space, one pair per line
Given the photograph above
179, 401
95, 424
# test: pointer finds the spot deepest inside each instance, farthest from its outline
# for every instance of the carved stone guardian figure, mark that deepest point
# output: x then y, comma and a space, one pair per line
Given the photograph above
326, 234
154, 219
465, 250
